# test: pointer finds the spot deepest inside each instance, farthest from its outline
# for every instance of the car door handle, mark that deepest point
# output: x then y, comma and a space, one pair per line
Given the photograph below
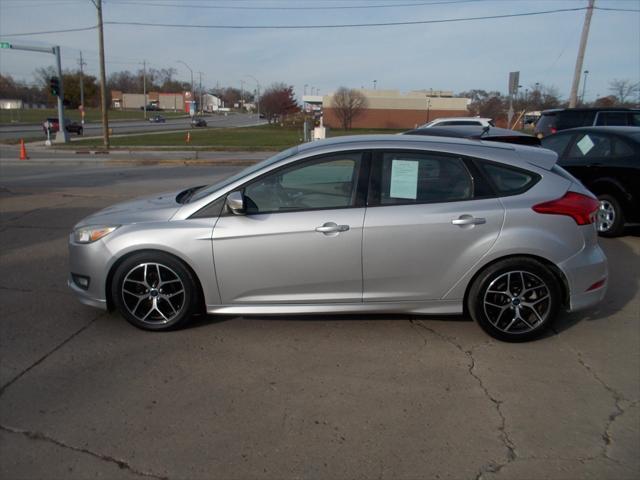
468, 220
331, 227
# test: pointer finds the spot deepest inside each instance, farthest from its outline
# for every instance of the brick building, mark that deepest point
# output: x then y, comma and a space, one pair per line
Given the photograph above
392, 109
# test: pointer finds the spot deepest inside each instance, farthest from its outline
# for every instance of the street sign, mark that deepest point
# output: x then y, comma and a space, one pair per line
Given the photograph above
5, 45
514, 80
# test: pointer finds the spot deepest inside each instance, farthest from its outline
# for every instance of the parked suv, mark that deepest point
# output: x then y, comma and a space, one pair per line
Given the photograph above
557, 119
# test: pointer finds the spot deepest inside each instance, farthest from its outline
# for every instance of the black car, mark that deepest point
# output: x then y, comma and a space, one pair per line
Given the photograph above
476, 132
607, 161
552, 121
198, 122
54, 125
157, 119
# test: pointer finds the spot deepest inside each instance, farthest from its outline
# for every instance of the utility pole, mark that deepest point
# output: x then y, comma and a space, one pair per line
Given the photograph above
144, 86
103, 76
82, 64
242, 93
200, 88
573, 98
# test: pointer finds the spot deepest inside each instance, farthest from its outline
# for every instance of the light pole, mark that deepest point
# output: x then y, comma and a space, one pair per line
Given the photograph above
305, 88
584, 86
191, 71
428, 107
257, 99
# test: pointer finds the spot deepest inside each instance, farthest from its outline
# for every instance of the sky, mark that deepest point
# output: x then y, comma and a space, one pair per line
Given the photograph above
454, 56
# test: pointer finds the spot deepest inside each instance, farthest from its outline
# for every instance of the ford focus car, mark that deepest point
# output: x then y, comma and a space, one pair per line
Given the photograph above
385, 224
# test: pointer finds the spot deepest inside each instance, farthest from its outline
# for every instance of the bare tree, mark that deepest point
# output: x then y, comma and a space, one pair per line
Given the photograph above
348, 104
623, 89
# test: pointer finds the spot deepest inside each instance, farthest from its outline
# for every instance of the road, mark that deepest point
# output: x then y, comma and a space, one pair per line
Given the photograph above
85, 395
121, 127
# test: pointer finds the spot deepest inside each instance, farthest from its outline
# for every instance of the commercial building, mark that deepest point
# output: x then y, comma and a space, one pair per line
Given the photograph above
177, 102
392, 109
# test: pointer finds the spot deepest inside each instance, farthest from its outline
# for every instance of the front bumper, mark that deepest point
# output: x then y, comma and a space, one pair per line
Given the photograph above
582, 271
85, 298
91, 260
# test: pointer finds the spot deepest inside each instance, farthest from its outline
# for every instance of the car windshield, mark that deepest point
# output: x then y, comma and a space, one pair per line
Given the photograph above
247, 171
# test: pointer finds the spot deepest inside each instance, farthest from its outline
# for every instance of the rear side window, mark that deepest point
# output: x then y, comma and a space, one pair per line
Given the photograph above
408, 178
591, 145
612, 118
634, 119
572, 119
509, 180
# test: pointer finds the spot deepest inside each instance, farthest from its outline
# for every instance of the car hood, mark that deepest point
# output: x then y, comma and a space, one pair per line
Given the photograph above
154, 208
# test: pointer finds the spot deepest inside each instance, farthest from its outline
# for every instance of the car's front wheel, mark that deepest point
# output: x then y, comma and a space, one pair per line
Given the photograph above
610, 219
154, 291
515, 300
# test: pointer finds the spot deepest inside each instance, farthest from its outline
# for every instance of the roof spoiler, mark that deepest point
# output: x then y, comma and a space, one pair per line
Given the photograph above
540, 157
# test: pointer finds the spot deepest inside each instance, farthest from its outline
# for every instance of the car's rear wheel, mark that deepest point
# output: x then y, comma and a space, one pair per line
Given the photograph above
610, 218
154, 291
515, 300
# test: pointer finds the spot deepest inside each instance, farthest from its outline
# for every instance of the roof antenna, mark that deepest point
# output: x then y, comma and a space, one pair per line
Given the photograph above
485, 130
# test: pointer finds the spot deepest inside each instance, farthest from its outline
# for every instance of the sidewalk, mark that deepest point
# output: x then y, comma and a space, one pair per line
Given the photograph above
39, 154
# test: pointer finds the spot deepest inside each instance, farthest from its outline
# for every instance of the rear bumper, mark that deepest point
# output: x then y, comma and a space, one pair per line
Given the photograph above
582, 271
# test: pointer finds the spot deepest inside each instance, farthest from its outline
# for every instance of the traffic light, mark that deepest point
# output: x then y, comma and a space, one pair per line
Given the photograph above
54, 86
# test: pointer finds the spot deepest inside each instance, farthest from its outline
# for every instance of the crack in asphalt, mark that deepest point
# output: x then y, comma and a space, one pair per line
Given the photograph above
504, 435
48, 354
618, 399
106, 458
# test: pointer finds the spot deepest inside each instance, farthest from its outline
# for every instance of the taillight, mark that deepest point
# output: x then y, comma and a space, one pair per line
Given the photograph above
554, 130
575, 205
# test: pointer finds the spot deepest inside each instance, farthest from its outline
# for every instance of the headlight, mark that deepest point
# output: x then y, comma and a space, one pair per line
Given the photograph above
92, 233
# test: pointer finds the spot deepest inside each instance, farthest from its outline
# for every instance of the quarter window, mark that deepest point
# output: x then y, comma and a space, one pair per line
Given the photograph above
326, 183
408, 178
507, 180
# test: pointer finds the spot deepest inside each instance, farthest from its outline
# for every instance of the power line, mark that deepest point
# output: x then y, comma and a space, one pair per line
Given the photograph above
346, 25
332, 7
82, 29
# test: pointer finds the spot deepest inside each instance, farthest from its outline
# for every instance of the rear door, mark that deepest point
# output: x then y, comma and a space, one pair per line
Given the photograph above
429, 219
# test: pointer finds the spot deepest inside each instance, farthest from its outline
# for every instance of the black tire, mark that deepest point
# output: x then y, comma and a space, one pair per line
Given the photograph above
536, 301
610, 216
80, 131
134, 299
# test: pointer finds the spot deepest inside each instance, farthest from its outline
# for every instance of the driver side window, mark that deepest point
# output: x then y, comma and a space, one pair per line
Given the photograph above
323, 183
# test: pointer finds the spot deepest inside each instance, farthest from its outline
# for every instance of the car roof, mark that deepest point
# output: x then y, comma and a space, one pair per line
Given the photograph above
590, 109
466, 131
619, 130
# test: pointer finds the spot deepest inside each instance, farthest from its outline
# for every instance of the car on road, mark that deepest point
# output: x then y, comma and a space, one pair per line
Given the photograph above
198, 122
157, 119
359, 224
476, 132
54, 125
555, 120
607, 161
459, 122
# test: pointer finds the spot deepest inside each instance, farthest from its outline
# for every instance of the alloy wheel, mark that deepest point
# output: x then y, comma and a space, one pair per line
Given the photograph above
153, 293
517, 302
606, 216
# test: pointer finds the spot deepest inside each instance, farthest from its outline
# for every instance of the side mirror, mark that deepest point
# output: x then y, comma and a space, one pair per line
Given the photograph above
235, 203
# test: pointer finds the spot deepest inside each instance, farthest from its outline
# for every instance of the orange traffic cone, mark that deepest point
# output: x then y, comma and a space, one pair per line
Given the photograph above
188, 137
23, 151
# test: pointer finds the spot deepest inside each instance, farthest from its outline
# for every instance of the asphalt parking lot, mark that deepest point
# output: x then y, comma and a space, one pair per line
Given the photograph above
85, 395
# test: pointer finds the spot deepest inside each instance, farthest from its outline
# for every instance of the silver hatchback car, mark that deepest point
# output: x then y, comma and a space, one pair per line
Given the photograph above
385, 224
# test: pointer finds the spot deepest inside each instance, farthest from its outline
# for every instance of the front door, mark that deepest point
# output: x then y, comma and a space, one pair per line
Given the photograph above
300, 240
